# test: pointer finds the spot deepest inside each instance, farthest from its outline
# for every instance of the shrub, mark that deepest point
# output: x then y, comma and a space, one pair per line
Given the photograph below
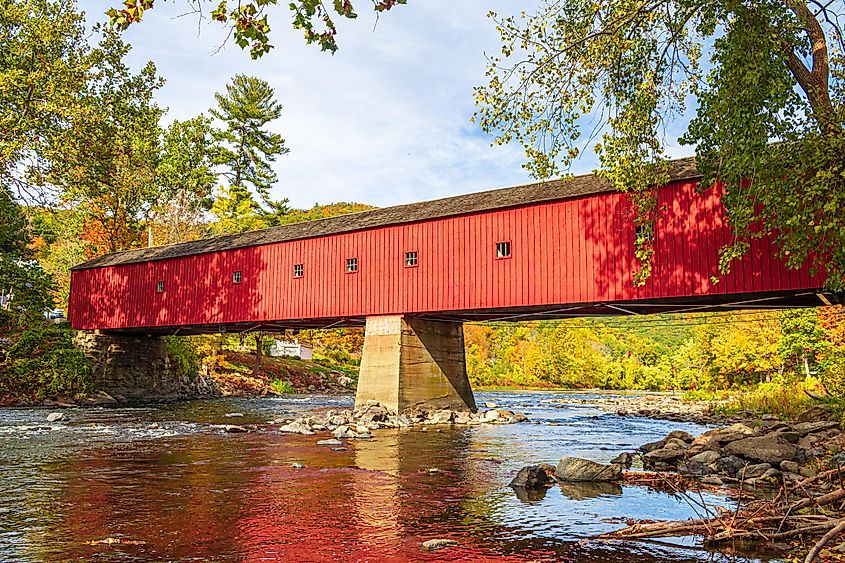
42, 363
281, 387
832, 373
183, 356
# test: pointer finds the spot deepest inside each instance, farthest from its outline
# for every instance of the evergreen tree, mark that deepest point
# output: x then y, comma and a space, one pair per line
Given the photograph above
246, 153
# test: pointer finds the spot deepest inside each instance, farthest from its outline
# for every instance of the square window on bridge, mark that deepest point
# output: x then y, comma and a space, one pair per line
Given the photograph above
644, 233
503, 250
237, 277
160, 287
411, 259
351, 265
298, 270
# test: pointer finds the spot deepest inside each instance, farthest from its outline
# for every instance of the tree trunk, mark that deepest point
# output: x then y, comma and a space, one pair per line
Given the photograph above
259, 351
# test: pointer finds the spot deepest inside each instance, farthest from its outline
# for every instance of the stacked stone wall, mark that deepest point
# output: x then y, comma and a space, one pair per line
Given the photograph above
137, 369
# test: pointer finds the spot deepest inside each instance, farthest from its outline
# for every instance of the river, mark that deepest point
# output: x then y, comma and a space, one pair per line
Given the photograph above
169, 484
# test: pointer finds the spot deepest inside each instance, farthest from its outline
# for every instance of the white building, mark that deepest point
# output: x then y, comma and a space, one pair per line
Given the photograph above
285, 348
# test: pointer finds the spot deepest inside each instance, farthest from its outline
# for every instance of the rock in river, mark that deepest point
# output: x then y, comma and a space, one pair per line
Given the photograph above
765, 449
234, 428
434, 545
55, 417
576, 469
532, 477
330, 442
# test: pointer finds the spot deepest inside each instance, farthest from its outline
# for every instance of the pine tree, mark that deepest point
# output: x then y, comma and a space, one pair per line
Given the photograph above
246, 153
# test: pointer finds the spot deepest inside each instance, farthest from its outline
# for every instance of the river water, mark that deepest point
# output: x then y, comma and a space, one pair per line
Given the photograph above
166, 483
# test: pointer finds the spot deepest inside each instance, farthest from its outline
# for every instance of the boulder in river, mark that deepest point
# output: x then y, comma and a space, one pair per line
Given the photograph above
651, 446
441, 417
55, 417
434, 545
764, 449
706, 457
532, 477
330, 442
754, 471
296, 428
680, 435
697, 468
730, 465
576, 469
233, 428
662, 454
818, 412
624, 459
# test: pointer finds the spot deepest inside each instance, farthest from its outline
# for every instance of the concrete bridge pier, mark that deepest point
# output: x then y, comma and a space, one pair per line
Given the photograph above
411, 363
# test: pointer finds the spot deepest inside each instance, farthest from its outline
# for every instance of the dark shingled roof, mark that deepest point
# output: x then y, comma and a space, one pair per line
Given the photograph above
502, 198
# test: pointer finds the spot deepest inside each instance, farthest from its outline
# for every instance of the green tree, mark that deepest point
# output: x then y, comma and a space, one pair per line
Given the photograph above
248, 20
44, 64
803, 340
106, 163
235, 211
767, 80
186, 179
246, 153
24, 286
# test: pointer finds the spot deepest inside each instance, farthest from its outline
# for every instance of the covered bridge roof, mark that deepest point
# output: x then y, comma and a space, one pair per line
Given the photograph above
501, 198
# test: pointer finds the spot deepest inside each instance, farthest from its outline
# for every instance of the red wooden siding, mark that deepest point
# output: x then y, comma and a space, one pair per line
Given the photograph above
573, 251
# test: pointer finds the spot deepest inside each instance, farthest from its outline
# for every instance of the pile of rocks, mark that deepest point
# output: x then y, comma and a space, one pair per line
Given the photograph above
658, 406
764, 454
361, 422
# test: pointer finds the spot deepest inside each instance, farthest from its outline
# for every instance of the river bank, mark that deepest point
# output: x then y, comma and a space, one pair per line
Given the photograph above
790, 476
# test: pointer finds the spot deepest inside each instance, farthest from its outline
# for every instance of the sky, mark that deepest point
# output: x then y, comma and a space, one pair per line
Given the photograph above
384, 121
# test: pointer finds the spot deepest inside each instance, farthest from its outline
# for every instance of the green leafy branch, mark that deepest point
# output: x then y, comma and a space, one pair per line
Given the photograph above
250, 26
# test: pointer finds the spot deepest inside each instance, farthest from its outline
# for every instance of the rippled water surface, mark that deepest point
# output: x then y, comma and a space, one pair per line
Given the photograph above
171, 485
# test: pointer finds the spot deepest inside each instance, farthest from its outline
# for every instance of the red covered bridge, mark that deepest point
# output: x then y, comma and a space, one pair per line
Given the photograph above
544, 250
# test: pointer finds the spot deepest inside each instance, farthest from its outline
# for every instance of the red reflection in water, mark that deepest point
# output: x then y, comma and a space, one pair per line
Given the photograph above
238, 498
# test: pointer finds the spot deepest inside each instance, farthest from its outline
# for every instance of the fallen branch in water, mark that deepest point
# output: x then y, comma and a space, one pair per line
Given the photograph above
768, 520
823, 542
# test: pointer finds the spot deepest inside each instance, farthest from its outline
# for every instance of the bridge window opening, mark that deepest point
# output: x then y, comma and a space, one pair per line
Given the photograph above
503, 250
160, 287
411, 259
298, 270
644, 232
237, 277
351, 265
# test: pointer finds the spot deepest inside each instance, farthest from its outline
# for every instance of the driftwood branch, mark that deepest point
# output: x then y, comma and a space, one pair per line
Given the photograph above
824, 541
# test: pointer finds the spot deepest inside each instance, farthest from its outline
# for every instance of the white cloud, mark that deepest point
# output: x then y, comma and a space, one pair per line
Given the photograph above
386, 120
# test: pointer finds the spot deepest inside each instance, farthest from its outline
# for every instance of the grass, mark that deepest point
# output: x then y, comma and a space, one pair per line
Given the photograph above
781, 398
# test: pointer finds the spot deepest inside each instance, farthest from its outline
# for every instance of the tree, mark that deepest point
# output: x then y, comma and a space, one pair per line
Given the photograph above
24, 286
246, 152
44, 63
248, 20
235, 211
107, 160
186, 180
768, 83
